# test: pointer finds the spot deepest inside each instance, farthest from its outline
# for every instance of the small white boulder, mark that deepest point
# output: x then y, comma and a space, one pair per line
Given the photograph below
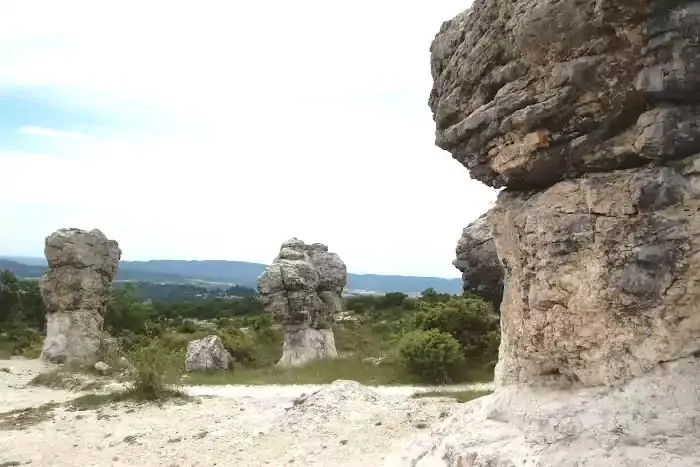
207, 354
102, 368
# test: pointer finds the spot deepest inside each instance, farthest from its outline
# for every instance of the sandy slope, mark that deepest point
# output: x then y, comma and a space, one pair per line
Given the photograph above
343, 424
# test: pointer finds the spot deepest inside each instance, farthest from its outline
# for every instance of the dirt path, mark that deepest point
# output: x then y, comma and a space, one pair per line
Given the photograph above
342, 424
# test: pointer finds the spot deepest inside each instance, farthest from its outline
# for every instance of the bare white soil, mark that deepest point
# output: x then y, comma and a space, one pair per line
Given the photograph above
342, 424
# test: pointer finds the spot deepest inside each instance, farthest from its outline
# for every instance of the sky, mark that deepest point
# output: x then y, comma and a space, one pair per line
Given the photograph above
217, 130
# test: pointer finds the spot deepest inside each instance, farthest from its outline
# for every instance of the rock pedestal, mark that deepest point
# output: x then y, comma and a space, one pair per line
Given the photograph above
587, 112
75, 290
302, 289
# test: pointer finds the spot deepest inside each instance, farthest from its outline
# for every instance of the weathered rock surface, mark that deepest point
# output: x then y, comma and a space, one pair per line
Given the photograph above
75, 290
588, 113
603, 275
302, 288
207, 354
530, 92
477, 260
650, 421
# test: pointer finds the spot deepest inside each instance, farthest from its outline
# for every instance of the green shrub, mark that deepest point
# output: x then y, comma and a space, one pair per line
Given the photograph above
239, 346
353, 337
432, 356
152, 367
20, 340
187, 327
470, 320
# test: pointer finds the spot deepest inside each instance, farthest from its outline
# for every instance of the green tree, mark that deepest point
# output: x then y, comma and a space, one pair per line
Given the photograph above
433, 356
470, 320
391, 299
33, 310
125, 312
429, 295
10, 301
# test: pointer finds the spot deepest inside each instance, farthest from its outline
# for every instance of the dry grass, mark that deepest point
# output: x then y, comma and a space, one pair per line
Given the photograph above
68, 379
459, 396
21, 419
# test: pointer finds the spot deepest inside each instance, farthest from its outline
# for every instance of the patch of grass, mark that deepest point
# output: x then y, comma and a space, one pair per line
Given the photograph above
321, 372
153, 368
10, 464
33, 350
24, 342
91, 401
459, 396
7, 348
20, 419
66, 379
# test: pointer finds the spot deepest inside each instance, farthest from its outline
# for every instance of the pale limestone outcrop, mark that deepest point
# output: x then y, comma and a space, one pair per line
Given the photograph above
587, 112
75, 290
302, 289
207, 354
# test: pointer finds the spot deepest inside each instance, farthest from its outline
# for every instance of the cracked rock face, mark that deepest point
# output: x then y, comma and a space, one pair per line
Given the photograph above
587, 111
602, 274
302, 288
75, 290
530, 92
482, 272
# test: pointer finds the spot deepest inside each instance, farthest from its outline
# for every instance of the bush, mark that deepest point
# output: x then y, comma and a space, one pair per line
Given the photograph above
187, 327
432, 356
23, 339
470, 320
239, 346
152, 367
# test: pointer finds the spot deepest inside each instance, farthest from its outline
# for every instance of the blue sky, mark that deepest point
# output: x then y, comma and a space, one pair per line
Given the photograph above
216, 130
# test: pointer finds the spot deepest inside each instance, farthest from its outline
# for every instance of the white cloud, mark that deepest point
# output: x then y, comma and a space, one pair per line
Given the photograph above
51, 133
264, 120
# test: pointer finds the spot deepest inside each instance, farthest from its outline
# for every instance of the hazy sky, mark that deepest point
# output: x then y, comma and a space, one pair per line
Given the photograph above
218, 129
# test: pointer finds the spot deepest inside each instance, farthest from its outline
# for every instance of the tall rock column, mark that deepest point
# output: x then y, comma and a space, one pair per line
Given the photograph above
75, 290
588, 113
302, 289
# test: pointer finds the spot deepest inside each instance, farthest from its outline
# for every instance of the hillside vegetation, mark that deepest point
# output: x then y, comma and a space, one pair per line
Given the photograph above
387, 339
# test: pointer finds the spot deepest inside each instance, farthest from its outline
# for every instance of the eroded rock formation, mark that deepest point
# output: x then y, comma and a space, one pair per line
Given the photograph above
482, 271
588, 113
302, 288
75, 290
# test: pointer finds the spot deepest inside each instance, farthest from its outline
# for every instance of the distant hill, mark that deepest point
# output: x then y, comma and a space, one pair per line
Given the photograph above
242, 273
159, 292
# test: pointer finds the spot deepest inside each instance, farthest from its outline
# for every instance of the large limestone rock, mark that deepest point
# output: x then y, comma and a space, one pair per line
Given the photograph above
302, 288
587, 112
207, 354
482, 271
529, 92
75, 290
649, 422
603, 275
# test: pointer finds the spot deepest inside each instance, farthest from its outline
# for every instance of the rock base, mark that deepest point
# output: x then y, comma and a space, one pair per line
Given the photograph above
303, 345
653, 420
72, 336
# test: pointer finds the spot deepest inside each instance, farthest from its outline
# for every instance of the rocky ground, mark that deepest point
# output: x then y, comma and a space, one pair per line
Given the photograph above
344, 424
